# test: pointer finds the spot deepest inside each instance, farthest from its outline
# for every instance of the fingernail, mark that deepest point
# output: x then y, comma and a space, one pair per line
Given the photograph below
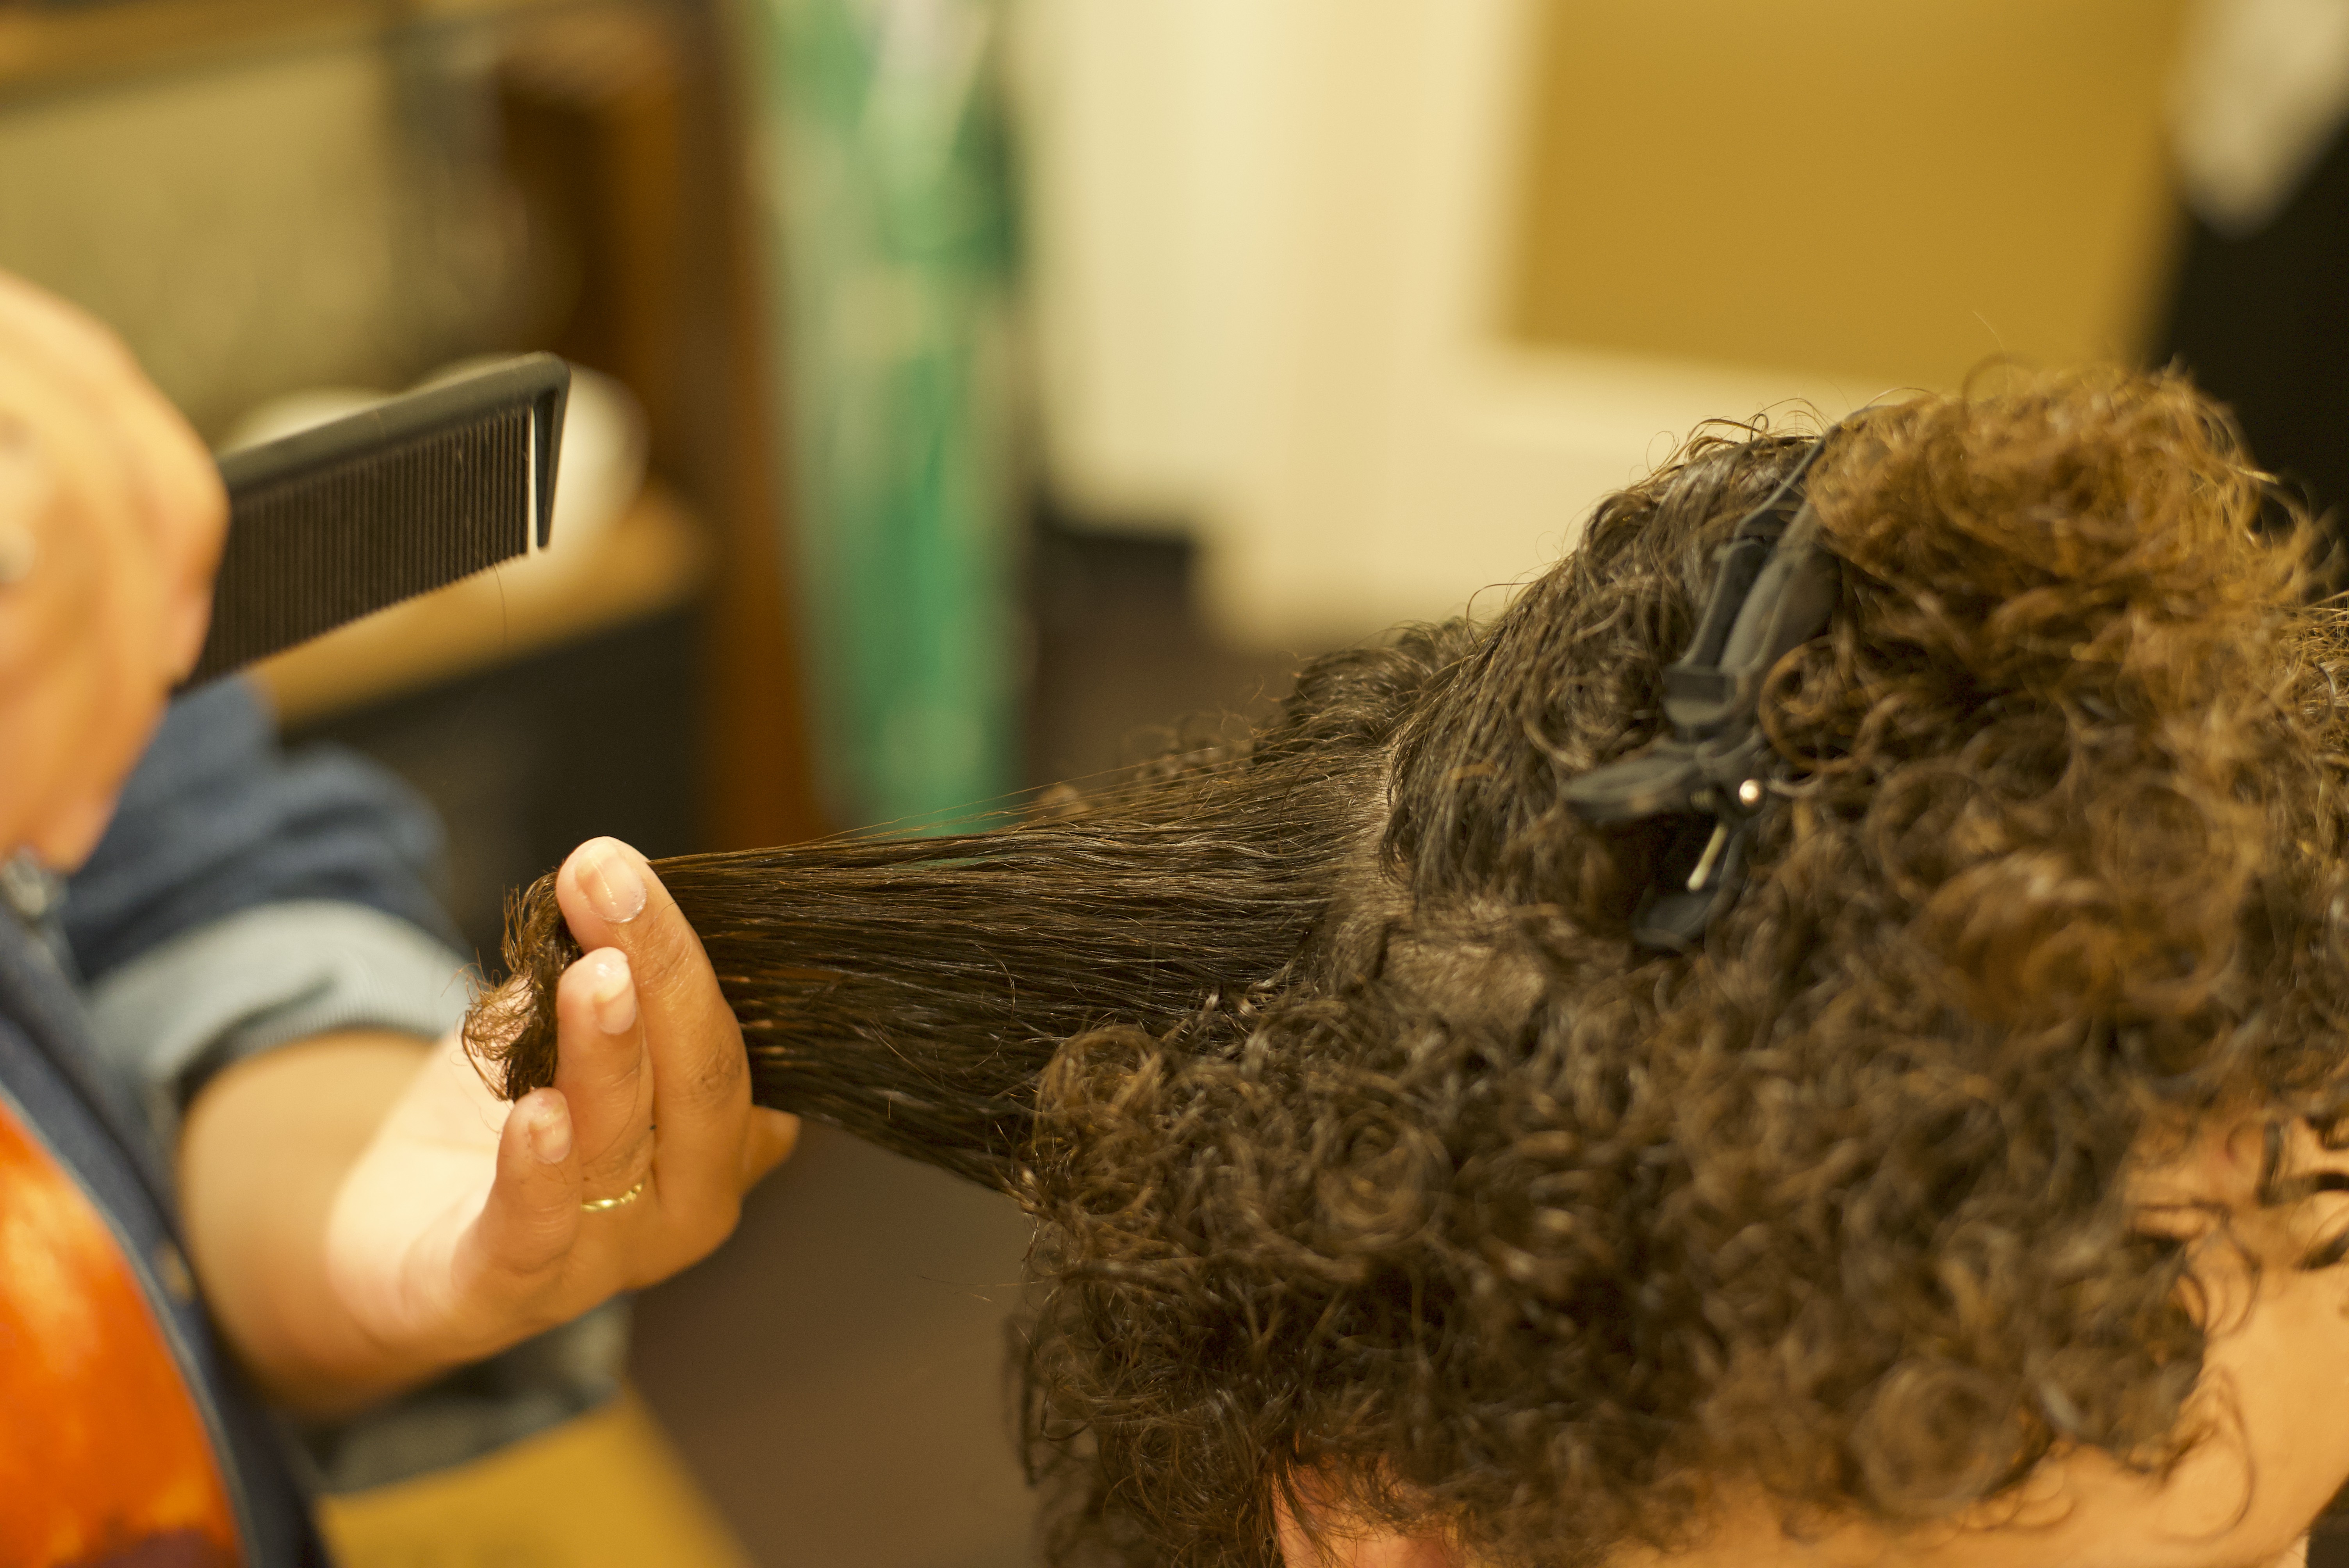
613, 889
615, 995
550, 1131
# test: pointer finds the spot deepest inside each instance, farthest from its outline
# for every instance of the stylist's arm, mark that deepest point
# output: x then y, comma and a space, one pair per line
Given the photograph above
361, 1213
363, 1251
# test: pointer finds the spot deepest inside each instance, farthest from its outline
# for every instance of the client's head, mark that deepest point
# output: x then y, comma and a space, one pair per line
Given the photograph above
1963, 1196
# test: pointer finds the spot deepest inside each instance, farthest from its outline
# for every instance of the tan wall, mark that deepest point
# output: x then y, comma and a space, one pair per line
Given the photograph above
260, 222
1889, 190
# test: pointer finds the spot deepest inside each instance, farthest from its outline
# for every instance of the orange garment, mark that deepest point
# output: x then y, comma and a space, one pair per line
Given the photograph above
104, 1457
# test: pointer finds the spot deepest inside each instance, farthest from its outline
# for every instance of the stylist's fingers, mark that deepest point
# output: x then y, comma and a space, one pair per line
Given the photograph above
67, 488
184, 508
82, 669
602, 1071
531, 1220
151, 454
86, 433
46, 618
701, 1083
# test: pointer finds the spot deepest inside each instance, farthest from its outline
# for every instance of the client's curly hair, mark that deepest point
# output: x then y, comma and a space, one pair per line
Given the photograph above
1371, 1158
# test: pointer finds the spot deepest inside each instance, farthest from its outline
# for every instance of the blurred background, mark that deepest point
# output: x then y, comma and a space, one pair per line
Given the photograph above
985, 391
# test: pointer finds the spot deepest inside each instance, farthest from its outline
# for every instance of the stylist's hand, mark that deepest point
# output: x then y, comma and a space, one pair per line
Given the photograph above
467, 1225
111, 516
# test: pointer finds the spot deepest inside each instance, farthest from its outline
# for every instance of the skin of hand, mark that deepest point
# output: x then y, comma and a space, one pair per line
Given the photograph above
124, 514
360, 1210
362, 1213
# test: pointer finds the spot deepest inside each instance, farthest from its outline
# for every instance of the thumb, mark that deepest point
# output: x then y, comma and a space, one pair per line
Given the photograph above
531, 1220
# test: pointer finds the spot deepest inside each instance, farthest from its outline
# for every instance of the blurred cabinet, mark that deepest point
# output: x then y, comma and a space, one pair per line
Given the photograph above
266, 194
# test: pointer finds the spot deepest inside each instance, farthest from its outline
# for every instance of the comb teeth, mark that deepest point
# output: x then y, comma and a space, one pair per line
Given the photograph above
307, 553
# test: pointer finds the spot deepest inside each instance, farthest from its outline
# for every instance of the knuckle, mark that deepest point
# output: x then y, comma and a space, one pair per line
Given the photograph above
622, 1163
662, 957
717, 1080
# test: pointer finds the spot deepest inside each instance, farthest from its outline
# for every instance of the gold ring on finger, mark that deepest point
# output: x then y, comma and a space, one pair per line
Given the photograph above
597, 1205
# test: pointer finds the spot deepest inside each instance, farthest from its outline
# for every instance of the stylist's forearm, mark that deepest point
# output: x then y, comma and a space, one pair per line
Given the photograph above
265, 1147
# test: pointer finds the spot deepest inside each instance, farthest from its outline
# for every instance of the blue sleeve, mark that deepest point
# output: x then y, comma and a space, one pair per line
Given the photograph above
216, 820
242, 900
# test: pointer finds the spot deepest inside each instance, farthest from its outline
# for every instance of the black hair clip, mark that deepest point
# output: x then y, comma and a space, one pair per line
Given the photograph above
1774, 587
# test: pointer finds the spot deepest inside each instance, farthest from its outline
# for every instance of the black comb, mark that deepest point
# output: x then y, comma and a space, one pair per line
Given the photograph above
337, 521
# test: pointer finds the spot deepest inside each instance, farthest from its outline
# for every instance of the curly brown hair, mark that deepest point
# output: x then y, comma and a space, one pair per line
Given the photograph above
1370, 1155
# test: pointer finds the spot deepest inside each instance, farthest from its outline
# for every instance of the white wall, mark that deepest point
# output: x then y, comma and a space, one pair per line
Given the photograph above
1267, 244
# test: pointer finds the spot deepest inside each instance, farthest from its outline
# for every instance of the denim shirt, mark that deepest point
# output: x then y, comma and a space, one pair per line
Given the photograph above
52, 1080
241, 900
